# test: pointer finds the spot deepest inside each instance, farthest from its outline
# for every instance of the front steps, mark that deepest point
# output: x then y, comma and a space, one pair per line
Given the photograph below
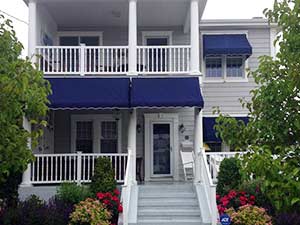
168, 204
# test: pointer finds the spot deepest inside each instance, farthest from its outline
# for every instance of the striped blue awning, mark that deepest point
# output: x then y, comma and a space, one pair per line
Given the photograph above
209, 134
86, 93
166, 92
227, 44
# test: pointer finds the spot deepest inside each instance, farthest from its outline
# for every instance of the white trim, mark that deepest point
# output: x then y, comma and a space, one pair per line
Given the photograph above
157, 34
96, 119
232, 115
81, 34
161, 118
273, 35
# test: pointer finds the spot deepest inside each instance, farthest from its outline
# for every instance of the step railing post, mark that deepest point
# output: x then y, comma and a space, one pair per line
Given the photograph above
82, 59
79, 167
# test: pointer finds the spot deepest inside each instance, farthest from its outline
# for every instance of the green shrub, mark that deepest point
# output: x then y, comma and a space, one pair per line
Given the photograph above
249, 215
229, 177
72, 193
90, 212
104, 177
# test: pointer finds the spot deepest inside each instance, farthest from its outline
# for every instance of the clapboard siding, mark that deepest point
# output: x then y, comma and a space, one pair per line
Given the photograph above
226, 95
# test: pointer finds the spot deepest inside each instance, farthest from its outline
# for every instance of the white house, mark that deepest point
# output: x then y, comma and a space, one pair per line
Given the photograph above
136, 81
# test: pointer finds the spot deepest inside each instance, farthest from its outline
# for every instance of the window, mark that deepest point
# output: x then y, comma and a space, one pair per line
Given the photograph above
214, 67
109, 137
84, 136
76, 40
225, 67
234, 66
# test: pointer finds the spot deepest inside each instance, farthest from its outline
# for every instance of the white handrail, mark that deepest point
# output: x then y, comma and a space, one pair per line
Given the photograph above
73, 167
126, 190
209, 187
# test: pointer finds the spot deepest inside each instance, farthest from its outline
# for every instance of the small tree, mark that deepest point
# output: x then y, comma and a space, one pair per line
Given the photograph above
272, 135
23, 94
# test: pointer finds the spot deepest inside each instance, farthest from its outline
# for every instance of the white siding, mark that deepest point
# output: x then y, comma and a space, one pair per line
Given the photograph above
226, 95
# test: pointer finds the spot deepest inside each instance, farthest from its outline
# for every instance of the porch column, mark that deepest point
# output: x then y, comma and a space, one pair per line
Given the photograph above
27, 173
132, 38
132, 142
32, 36
195, 46
198, 143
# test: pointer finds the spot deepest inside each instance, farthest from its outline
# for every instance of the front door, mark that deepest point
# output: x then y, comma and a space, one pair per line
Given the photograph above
161, 149
157, 56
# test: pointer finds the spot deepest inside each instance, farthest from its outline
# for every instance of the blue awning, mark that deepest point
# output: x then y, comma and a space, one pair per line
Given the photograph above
166, 92
209, 134
227, 44
85, 93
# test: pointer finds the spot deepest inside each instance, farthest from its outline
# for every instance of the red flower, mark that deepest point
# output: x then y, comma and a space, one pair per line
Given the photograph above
106, 202
252, 197
108, 195
117, 192
232, 194
115, 199
218, 197
120, 208
243, 193
100, 196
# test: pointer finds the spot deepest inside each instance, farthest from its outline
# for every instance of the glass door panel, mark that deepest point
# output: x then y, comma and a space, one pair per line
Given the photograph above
161, 149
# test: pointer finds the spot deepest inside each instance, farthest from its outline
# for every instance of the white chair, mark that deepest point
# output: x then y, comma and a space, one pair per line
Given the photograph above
187, 159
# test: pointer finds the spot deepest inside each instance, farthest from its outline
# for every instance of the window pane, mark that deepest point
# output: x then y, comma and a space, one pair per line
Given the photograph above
68, 41
235, 67
213, 67
84, 136
90, 41
109, 137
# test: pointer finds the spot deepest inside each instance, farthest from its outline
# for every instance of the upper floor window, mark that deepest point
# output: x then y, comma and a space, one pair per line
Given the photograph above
225, 67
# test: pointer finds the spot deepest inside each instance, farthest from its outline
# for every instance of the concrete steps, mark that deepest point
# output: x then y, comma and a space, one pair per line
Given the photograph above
168, 204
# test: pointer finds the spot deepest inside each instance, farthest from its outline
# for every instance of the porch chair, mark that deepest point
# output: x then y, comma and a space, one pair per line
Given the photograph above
187, 159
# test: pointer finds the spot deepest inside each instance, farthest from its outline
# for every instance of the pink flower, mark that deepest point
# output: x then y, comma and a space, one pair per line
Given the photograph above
116, 192
100, 196
120, 208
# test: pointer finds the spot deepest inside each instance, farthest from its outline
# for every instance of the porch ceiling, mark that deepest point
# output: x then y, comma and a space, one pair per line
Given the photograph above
154, 13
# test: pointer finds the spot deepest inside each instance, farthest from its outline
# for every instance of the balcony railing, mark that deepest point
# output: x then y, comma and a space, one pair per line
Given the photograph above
73, 167
214, 160
107, 60
164, 59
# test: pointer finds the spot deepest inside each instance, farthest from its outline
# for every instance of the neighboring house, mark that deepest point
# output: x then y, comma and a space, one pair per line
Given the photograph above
137, 81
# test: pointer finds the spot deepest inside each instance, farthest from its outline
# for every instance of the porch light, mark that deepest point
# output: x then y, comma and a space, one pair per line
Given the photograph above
138, 128
181, 128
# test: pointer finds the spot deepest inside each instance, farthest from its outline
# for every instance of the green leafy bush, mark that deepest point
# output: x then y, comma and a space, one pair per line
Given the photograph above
104, 177
249, 215
90, 212
229, 177
72, 193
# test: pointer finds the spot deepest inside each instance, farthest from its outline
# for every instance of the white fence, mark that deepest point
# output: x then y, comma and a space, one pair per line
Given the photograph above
214, 160
163, 59
112, 60
76, 167
72, 60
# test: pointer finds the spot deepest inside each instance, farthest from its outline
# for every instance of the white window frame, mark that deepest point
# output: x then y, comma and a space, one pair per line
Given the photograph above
224, 77
80, 34
96, 119
157, 34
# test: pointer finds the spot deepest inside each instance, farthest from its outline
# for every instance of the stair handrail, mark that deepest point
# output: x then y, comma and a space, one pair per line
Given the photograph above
126, 190
209, 187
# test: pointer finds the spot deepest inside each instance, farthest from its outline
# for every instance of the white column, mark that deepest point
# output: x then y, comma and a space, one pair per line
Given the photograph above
132, 38
195, 46
27, 173
132, 142
32, 34
198, 143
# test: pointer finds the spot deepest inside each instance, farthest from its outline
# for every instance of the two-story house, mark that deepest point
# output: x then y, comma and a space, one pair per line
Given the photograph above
137, 81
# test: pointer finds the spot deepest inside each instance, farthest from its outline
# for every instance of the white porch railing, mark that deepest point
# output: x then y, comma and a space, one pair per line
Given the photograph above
73, 60
75, 167
214, 160
112, 60
163, 59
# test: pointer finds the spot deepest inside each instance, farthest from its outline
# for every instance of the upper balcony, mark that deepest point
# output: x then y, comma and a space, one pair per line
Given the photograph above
116, 37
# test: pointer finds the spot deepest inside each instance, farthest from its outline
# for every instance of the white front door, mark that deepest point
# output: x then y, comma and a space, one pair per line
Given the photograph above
161, 149
161, 146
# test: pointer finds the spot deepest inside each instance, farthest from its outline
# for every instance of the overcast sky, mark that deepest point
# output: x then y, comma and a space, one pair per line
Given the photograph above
215, 9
